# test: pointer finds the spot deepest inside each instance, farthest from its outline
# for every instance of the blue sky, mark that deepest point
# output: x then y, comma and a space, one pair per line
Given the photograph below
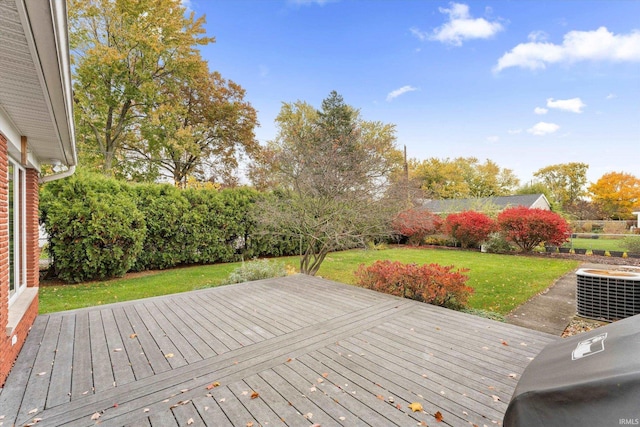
526, 84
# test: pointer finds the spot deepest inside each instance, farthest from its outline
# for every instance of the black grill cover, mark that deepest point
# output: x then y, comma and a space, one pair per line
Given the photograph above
591, 379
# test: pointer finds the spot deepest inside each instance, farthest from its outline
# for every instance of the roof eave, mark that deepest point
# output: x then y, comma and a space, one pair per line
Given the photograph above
41, 19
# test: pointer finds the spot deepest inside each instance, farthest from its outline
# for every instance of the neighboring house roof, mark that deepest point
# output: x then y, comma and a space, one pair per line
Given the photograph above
35, 80
487, 203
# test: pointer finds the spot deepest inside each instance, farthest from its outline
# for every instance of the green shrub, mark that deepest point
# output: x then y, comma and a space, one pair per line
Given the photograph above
497, 243
164, 208
263, 240
632, 244
379, 246
257, 270
430, 283
95, 229
440, 240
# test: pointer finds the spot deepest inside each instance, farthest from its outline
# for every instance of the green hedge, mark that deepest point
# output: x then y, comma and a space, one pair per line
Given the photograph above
100, 228
95, 229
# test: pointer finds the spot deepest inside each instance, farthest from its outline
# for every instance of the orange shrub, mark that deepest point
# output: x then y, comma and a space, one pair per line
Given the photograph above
430, 283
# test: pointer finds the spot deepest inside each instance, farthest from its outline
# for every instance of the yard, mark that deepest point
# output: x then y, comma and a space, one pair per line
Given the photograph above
501, 282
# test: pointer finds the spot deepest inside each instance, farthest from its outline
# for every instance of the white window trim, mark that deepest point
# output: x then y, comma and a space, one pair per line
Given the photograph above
20, 206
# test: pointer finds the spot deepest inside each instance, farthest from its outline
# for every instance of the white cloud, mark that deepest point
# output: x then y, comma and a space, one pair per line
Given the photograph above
514, 131
573, 105
543, 128
396, 93
538, 36
493, 138
611, 96
540, 110
461, 26
598, 45
311, 2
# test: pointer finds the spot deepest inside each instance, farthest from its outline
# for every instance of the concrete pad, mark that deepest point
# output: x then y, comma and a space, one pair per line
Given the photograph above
552, 310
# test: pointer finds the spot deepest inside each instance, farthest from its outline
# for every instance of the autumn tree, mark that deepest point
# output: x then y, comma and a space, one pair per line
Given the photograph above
463, 177
470, 228
527, 227
125, 54
201, 130
617, 194
416, 224
566, 182
330, 169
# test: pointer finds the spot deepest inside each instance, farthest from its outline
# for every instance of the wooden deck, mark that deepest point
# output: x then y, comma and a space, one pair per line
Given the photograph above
293, 351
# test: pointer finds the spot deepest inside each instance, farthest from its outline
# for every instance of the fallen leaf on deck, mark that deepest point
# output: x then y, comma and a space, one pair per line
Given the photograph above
190, 421
146, 410
308, 415
513, 375
41, 374
206, 408
438, 416
95, 416
33, 411
255, 395
250, 424
524, 344
168, 355
213, 385
312, 389
505, 343
222, 400
341, 418
320, 380
133, 336
415, 407
244, 393
380, 397
289, 360
325, 375
184, 390
495, 398
398, 406
390, 399
117, 349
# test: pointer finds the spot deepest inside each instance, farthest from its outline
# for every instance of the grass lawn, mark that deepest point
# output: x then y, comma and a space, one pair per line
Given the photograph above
501, 282
601, 243
61, 297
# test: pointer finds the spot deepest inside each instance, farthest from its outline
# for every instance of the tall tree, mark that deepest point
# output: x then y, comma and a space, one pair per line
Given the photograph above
202, 130
617, 194
332, 169
124, 52
463, 177
565, 181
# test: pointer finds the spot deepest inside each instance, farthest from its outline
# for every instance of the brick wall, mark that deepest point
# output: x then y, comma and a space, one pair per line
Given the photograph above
32, 229
9, 352
5, 343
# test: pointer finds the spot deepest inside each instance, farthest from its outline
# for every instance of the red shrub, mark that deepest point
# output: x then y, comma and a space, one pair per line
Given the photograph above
470, 228
527, 228
431, 283
416, 224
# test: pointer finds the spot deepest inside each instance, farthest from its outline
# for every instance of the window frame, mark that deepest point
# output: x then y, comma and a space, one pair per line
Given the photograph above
17, 196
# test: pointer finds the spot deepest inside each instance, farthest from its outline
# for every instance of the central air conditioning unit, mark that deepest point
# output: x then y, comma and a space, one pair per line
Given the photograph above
608, 294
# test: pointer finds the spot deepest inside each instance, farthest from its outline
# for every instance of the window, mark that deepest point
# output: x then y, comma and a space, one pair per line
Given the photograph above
17, 227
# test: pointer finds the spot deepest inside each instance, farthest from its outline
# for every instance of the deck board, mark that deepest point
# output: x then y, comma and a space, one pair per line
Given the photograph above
313, 350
